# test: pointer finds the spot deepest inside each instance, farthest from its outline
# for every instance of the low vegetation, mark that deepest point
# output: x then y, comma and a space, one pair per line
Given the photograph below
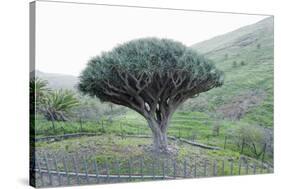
237, 117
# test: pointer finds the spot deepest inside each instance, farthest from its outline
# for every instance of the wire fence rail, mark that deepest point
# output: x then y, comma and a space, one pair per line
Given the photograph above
79, 169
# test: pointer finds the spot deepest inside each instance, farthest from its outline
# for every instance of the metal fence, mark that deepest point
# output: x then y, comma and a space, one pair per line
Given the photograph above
79, 169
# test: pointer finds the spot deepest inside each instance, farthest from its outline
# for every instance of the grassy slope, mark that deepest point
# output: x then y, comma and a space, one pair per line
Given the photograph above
109, 148
257, 74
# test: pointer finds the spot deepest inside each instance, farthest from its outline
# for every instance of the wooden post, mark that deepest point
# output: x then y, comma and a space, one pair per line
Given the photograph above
53, 122
141, 167
243, 144
95, 167
215, 168
163, 169
65, 170
225, 139
247, 167
63, 130
231, 167
175, 168
80, 122
130, 169
185, 169
40, 172
107, 169
102, 126
86, 169
239, 168
153, 168
121, 130
240, 164
118, 169
264, 150
261, 168
254, 169
195, 168
222, 169
205, 168
76, 169
48, 169
56, 167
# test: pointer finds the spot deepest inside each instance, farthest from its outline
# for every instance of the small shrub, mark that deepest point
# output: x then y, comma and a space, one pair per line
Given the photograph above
67, 147
242, 63
226, 56
255, 137
216, 129
234, 64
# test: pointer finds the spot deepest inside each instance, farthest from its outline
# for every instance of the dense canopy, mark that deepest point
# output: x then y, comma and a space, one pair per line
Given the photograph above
151, 76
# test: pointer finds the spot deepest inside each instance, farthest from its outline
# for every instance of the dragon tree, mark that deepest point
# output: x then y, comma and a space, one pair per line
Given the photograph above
152, 77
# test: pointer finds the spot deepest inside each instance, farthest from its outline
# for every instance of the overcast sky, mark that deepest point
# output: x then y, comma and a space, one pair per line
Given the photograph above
68, 35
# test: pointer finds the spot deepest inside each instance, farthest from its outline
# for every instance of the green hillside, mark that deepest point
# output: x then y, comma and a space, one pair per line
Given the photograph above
246, 98
246, 57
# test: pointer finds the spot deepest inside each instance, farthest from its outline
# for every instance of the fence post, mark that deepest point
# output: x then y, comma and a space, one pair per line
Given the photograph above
86, 169
107, 169
242, 148
121, 130
222, 167
215, 168
102, 126
179, 133
264, 150
130, 169
81, 127
254, 169
239, 169
65, 170
96, 169
48, 169
163, 169
53, 123
247, 167
75, 169
205, 168
153, 168
56, 167
141, 167
225, 139
117, 168
195, 168
174, 168
40, 172
185, 168
231, 167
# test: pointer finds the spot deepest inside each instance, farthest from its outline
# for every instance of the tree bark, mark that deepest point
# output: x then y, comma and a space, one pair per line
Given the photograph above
159, 135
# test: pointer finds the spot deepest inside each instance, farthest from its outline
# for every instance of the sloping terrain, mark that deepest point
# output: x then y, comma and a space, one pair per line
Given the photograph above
246, 57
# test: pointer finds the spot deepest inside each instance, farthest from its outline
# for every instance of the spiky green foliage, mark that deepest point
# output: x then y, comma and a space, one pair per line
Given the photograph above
58, 104
149, 61
38, 88
151, 76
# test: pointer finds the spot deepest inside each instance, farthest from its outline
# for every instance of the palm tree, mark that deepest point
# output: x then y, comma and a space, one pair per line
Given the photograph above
37, 89
58, 104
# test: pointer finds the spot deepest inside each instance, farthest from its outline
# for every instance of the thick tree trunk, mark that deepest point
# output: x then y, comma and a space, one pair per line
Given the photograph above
159, 134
